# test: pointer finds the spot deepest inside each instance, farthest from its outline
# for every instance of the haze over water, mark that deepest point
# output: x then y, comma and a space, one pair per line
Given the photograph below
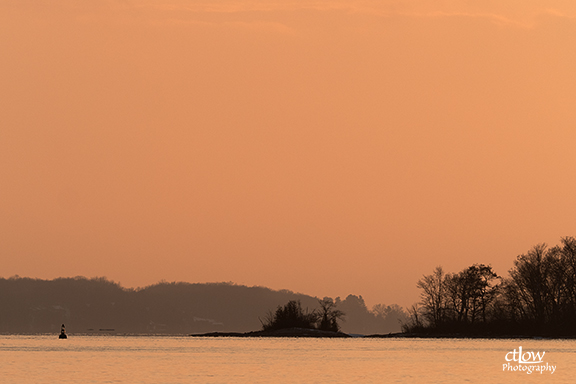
155, 360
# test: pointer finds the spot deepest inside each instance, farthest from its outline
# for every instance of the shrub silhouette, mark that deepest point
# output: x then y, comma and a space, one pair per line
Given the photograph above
290, 315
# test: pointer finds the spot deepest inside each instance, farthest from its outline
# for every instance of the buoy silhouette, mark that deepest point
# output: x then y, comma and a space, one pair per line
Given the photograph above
63, 333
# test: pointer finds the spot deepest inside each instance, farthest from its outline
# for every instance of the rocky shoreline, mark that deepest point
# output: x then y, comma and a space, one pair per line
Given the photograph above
302, 332
288, 332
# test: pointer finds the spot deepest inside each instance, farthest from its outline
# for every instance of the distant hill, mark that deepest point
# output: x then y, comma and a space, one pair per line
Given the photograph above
98, 305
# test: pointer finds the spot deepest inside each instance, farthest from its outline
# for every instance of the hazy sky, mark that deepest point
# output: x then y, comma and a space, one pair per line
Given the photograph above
326, 147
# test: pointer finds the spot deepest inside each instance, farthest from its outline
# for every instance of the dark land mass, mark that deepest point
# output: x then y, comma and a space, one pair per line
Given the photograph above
289, 332
101, 306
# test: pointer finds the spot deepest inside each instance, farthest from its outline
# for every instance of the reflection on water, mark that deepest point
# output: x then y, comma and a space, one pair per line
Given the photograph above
140, 359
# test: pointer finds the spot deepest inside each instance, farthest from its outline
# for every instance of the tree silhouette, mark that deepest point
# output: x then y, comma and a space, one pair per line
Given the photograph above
329, 315
538, 297
433, 295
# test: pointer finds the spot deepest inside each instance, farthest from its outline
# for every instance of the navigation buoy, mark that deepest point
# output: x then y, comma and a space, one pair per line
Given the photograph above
63, 333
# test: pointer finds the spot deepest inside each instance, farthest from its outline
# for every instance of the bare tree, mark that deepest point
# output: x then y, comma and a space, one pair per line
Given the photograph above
433, 296
531, 277
328, 315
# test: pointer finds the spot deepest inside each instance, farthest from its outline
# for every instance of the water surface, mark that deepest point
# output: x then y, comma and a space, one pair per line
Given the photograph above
163, 359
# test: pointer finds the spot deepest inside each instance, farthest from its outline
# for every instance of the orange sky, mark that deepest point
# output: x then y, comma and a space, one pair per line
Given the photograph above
327, 147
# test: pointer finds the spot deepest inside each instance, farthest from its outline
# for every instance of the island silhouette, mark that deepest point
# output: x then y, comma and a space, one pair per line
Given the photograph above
291, 320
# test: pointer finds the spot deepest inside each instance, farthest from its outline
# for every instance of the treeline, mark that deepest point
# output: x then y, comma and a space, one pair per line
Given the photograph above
537, 298
99, 305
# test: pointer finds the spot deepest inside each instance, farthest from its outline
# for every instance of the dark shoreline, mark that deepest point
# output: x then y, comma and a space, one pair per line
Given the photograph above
465, 336
289, 332
311, 333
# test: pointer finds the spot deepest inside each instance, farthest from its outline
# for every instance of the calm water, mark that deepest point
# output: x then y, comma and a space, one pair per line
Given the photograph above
153, 360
